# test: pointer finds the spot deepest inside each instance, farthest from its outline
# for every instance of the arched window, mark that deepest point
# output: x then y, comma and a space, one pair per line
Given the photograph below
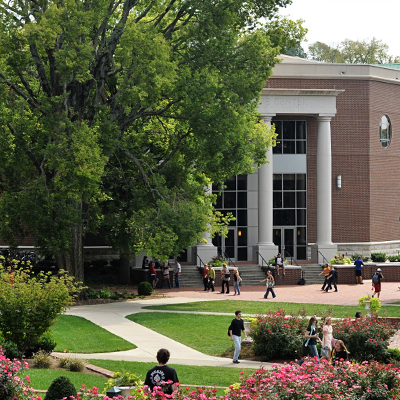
385, 131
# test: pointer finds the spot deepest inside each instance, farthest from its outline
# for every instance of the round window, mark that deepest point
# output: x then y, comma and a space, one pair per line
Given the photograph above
385, 131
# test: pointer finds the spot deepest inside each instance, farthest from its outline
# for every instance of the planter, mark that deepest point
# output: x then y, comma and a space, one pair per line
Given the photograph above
126, 390
368, 307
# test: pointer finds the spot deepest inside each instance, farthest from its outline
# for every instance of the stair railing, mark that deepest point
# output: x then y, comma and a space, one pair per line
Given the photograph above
230, 262
202, 264
324, 258
286, 253
262, 260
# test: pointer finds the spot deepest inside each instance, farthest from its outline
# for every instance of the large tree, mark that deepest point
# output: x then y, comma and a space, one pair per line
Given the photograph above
119, 112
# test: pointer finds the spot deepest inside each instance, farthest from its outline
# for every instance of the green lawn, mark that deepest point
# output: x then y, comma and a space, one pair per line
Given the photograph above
205, 333
41, 378
259, 307
78, 335
187, 374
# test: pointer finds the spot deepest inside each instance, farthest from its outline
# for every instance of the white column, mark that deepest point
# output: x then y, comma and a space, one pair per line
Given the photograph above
324, 182
323, 244
265, 246
265, 196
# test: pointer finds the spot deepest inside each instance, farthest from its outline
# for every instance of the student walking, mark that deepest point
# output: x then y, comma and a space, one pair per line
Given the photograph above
312, 337
236, 279
376, 282
325, 271
270, 285
211, 277
226, 276
332, 279
178, 271
235, 332
205, 277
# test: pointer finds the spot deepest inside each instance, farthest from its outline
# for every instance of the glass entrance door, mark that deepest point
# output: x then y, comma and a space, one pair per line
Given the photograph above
284, 238
227, 244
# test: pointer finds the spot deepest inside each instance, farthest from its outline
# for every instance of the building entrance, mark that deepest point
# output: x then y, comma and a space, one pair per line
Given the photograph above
227, 245
284, 238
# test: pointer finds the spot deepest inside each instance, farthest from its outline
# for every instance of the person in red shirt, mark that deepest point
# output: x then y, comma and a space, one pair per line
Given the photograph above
205, 277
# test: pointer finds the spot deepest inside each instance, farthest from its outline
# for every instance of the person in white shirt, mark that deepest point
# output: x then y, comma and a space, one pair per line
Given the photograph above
178, 270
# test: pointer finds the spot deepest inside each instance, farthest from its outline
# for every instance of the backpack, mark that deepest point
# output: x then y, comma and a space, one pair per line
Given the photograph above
375, 278
229, 329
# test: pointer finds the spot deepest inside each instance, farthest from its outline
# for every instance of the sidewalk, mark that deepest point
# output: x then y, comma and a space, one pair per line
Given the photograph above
112, 318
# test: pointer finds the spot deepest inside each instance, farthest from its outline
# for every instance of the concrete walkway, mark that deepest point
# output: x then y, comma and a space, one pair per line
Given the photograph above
112, 318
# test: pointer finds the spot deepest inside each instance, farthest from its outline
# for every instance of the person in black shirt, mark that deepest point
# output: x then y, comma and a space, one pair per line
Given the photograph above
332, 279
162, 373
235, 332
340, 353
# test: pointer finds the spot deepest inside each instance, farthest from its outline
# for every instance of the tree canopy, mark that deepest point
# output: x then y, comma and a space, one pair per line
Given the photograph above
116, 114
373, 51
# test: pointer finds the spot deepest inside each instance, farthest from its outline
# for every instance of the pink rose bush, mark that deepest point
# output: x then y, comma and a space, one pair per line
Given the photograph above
12, 383
366, 339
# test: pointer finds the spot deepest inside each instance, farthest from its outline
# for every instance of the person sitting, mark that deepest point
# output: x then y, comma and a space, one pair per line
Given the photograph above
161, 374
358, 316
340, 353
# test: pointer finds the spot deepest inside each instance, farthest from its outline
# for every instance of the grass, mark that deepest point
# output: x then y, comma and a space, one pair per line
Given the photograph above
259, 307
205, 333
187, 374
78, 335
41, 379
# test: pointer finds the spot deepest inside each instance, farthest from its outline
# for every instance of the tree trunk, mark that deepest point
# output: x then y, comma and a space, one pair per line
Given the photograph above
124, 269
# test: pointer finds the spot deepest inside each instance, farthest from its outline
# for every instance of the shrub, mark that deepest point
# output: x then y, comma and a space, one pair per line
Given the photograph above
378, 257
278, 336
364, 258
145, 289
30, 303
366, 339
394, 354
73, 364
42, 360
12, 386
60, 388
340, 259
125, 379
99, 263
46, 344
10, 349
393, 258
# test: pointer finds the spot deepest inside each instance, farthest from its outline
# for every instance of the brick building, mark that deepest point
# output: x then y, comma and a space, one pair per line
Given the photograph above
333, 181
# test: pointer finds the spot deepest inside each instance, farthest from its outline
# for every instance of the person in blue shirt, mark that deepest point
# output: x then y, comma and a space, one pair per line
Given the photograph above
358, 268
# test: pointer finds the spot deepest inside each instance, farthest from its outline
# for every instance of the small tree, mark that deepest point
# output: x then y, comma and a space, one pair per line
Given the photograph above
30, 304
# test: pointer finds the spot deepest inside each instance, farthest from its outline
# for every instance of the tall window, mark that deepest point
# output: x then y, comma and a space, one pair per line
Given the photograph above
290, 208
385, 131
233, 199
291, 137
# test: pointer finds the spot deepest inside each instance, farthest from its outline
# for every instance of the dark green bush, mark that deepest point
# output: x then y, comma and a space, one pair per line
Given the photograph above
145, 289
46, 344
60, 388
276, 336
394, 354
364, 258
10, 349
99, 263
366, 339
378, 257
393, 258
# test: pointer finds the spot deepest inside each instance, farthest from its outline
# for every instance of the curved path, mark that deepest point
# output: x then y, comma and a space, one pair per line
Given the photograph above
112, 318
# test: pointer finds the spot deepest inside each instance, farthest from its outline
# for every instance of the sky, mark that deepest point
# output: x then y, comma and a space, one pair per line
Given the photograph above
332, 21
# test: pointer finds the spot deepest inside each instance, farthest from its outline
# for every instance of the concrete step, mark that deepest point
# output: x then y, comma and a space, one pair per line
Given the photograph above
311, 273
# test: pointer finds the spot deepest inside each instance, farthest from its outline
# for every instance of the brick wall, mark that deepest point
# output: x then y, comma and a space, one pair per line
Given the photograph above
366, 208
346, 274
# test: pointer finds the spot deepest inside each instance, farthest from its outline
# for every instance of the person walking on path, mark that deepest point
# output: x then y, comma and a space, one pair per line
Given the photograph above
178, 271
205, 277
235, 332
376, 282
327, 332
226, 276
236, 278
162, 373
312, 336
325, 271
332, 279
279, 263
358, 269
153, 274
270, 285
211, 277
165, 271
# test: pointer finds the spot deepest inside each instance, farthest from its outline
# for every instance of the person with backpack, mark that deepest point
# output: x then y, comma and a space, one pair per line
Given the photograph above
376, 282
358, 268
